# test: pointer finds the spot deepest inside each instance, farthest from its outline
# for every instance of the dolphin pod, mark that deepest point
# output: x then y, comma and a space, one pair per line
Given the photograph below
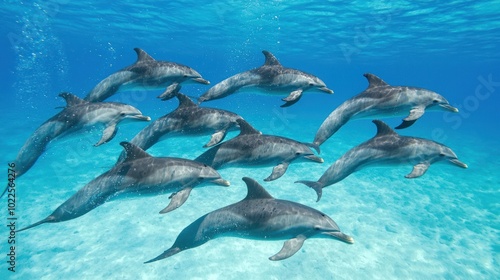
271, 77
386, 147
138, 175
259, 216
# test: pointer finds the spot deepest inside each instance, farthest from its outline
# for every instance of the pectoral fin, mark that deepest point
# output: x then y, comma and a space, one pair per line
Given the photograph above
177, 199
292, 98
278, 171
170, 92
108, 134
418, 170
217, 137
415, 113
290, 247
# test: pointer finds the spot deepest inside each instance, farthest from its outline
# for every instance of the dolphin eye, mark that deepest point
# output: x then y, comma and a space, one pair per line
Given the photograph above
435, 101
122, 114
311, 84
441, 155
316, 228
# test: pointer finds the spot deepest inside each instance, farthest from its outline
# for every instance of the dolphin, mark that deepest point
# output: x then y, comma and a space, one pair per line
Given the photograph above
383, 100
253, 148
271, 77
389, 148
146, 73
188, 119
140, 174
259, 216
75, 116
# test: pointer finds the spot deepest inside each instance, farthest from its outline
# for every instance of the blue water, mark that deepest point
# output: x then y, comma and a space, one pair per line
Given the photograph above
442, 225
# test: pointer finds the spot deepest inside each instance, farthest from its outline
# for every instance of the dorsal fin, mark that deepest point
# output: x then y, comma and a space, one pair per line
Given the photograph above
383, 128
185, 101
374, 81
133, 152
246, 128
71, 99
255, 190
270, 59
142, 55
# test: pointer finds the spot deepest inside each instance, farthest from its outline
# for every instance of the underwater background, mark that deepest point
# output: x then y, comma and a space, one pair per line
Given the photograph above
443, 225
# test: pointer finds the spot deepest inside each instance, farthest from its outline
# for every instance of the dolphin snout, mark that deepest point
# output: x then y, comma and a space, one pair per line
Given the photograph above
340, 236
449, 108
221, 182
325, 89
201, 81
315, 158
458, 163
140, 117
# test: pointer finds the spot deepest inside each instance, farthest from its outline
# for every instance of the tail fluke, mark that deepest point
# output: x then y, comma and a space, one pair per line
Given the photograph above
49, 219
18, 171
170, 92
170, 252
317, 186
4, 191
314, 146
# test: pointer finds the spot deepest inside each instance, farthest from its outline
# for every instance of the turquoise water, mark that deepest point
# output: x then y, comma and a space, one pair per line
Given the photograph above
442, 225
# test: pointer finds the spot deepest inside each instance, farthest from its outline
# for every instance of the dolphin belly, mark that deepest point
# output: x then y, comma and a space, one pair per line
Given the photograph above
284, 89
137, 86
375, 112
245, 158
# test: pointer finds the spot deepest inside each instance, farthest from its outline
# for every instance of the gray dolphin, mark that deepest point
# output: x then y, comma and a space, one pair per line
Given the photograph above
259, 216
271, 77
140, 174
252, 148
146, 73
77, 115
389, 148
382, 100
188, 119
